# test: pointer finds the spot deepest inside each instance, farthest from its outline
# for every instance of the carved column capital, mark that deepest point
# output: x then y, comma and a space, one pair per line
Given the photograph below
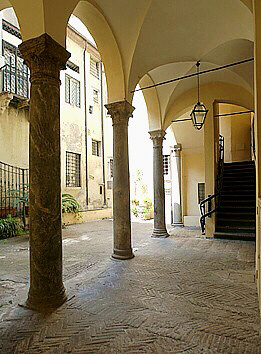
157, 137
120, 112
45, 57
176, 149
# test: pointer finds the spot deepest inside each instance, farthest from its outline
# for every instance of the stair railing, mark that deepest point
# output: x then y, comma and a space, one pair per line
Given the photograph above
206, 208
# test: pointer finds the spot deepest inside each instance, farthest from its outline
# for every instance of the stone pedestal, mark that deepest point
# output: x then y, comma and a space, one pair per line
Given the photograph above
175, 159
120, 113
46, 58
159, 229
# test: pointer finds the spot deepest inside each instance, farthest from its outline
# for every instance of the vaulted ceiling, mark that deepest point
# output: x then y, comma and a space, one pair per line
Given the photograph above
150, 41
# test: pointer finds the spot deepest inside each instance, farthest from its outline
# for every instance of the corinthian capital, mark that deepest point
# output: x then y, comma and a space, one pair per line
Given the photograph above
120, 112
157, 137
44, 56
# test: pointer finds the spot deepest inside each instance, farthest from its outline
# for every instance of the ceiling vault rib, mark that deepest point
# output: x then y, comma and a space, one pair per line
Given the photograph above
195, 74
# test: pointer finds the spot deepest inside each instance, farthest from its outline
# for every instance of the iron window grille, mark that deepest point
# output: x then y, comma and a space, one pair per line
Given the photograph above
96, 147
73, 66
201, 192
8, 27
14, 191
15, 72
72, 91
166, 159
111, 168
95, 68
73, 169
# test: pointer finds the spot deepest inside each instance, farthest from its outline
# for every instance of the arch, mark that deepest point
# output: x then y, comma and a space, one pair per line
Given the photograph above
99, 28
213, 92
40, 16
188, 45
152, 103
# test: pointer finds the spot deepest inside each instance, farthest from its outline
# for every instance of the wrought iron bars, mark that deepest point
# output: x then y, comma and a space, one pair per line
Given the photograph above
14, 185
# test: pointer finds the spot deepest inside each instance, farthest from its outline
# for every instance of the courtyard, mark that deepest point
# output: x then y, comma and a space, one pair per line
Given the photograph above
180, 294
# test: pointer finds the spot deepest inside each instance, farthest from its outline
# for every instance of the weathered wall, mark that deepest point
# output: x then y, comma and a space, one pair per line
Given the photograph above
14, 127
14, 137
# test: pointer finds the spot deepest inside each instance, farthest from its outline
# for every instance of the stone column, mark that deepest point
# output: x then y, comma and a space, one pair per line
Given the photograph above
159, 229
176, 185
46, 58
120, 113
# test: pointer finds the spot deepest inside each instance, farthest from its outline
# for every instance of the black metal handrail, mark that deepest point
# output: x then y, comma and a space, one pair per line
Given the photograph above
216, 196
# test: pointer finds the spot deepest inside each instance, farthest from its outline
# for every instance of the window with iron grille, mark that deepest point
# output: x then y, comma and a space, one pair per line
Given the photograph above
95, 96
72, 91
95, 68
110, 169
96, 147
201, 192
166, 164
73, 66
73, 169
15, 71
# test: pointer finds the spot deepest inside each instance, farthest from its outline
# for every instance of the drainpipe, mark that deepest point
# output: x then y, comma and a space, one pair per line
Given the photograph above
86, 126
102, 129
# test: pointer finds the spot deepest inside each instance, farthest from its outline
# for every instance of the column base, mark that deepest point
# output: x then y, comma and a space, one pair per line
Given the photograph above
159, 233
122, 254
46, 303
180, 224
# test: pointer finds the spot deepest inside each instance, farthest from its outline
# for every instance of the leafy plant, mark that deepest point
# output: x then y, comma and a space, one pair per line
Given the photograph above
135, 211
70, 204
9, 227
135, 201
148, 203
21, 195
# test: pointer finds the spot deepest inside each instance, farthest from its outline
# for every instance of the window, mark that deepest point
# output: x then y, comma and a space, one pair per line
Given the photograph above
15, 72
110, 169
96, 147
96, 96
166, 164
95, 68
73, 66
201, 192
73, 169
72, 91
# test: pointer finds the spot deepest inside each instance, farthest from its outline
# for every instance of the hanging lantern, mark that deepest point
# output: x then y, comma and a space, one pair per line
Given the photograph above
199, 112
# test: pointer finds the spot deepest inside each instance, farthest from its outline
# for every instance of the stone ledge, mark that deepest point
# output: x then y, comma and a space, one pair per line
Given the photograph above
86, 215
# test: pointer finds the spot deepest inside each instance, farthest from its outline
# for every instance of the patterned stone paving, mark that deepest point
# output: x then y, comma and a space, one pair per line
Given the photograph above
184, 294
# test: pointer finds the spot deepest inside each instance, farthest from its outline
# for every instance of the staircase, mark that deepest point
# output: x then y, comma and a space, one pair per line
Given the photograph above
235, 219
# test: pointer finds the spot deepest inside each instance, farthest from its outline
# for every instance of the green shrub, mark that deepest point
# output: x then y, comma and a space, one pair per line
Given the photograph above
135, 211
9, 227
70, 204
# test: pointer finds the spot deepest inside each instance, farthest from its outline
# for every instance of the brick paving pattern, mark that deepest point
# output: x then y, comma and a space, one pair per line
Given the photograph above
184, 294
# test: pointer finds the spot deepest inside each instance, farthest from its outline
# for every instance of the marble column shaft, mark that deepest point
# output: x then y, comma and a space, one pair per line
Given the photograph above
159, 229
176, 184
45, 58
120, 113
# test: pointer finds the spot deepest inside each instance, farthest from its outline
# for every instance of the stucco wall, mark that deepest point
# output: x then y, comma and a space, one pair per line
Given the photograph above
14, 137
237, 133
193, 173
14, 127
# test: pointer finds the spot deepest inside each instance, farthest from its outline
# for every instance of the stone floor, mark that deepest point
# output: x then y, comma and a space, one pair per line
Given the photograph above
184, 294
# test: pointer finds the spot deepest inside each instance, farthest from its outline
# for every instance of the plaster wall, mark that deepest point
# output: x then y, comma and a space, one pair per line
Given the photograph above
237, 133
193, 173
14, 137
14, 127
